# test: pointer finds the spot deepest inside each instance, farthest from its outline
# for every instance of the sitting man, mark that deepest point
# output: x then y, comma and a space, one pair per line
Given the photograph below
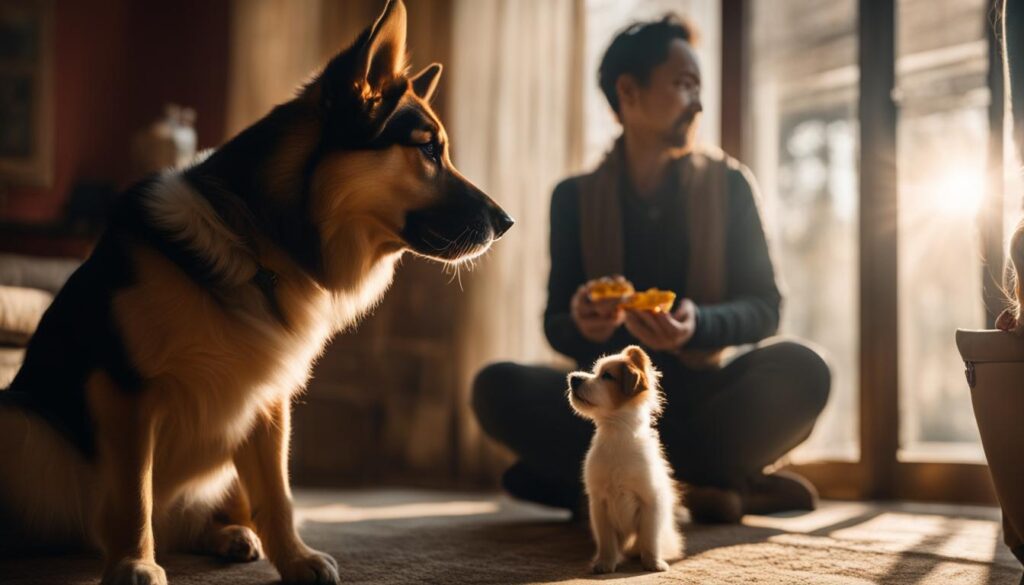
664, 214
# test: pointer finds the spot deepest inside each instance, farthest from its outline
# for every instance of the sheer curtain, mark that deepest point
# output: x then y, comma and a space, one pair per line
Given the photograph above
272, 50
277, 44
515, 132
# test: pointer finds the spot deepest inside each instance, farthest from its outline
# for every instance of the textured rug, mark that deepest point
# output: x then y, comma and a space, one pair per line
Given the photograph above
407, 537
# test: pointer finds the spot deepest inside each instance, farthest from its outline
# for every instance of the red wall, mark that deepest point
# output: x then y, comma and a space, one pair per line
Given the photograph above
116, 63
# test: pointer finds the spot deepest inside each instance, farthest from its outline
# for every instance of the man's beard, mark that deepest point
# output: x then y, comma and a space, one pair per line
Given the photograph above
684, 131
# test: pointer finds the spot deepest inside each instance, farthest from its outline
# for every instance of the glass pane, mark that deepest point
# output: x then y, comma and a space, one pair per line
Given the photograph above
942, 136
803, 150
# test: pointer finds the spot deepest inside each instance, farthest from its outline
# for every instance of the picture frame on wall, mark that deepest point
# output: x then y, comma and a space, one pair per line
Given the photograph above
26, 92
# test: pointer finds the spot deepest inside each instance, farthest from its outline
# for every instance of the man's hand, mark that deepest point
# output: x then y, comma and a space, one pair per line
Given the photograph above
663, 331
596, 320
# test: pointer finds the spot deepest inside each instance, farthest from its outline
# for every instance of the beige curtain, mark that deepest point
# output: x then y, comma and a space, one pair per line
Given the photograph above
515, 132
277, 44
272, 51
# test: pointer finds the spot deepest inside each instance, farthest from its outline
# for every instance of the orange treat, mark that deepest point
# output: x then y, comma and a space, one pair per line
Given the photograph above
654, 300
607, 288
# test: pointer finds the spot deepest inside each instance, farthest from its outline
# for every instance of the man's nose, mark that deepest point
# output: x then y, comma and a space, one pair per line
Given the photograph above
696, 106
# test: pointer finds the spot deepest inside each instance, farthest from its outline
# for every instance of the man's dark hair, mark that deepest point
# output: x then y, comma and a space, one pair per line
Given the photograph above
639, 48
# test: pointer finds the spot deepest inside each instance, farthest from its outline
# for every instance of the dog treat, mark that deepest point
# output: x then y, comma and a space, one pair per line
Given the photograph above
607, 288
653, 299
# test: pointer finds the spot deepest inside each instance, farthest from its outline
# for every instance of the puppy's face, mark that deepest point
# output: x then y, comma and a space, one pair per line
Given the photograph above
618, 384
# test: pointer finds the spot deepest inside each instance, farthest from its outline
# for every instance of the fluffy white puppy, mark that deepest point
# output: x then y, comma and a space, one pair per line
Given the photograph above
629, 483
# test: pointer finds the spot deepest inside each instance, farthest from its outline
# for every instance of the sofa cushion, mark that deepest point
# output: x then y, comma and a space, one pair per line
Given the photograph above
47, 274
20, 312
10, 362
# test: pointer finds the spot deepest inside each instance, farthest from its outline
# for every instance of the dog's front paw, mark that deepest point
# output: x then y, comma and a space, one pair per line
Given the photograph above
653, 564
312, 568
237, 544
135, 572
603, 566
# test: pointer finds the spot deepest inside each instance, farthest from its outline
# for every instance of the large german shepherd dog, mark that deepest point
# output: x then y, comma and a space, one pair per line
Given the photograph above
152, 408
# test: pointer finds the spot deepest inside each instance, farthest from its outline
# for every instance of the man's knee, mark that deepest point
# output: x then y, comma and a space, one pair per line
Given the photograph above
492, 388
810, 371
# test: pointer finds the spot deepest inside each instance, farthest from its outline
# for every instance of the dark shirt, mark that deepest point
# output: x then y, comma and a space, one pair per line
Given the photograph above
656, 255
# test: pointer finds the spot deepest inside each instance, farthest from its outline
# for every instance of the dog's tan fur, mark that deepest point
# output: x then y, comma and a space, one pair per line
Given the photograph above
629, 483
198, 458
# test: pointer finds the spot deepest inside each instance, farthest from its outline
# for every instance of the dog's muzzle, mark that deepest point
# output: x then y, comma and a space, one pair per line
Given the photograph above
575, 381
501, 222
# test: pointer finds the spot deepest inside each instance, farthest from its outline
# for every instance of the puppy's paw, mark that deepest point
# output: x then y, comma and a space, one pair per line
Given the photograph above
1006, 321
311, 568
603, 566
653, 564
238, 544
135, 572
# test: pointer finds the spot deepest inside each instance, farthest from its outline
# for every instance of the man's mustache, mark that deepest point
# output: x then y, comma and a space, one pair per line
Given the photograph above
689, 116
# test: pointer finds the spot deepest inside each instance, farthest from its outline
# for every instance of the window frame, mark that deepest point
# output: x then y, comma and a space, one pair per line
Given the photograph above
879, 473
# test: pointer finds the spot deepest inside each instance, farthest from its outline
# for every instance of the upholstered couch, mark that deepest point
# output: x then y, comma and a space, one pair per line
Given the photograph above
27, 287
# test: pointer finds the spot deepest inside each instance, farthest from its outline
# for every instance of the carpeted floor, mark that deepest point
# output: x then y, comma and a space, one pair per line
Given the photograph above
414, 537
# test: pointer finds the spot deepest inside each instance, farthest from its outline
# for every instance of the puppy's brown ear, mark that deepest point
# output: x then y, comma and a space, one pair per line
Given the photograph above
634, 379
637, 357
638, 373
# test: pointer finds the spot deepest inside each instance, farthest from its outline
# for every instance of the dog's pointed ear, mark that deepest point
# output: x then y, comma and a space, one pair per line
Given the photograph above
425, 82
376, 56
382, 56
356, 80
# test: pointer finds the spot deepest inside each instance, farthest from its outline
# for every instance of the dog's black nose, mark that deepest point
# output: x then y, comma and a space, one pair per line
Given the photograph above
575, 382
501, 222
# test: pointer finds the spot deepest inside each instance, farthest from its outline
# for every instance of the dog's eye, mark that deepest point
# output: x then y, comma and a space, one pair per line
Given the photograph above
607, 376
431, 150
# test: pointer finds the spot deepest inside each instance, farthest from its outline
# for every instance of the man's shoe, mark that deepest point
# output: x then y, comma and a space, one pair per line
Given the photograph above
782, 491
522, 482
712, 505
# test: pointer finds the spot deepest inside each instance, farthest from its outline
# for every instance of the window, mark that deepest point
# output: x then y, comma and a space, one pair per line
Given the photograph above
942, 137
803, 124
873, 152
